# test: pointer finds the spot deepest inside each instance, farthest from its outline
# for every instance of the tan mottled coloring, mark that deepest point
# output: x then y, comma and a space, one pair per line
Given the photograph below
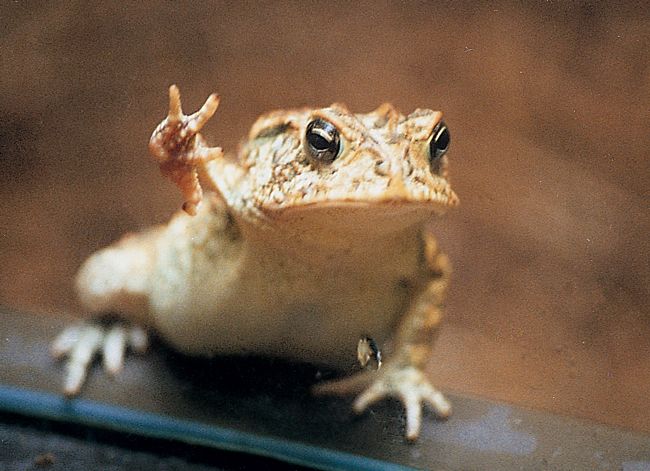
290, 254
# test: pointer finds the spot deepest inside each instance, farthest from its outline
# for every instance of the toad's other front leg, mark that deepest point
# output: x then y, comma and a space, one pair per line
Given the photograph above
113, 280
82, 342
403, 375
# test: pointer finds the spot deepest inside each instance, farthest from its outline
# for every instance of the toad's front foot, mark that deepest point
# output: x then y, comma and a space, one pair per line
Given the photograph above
180, 150
80, 343
408, 384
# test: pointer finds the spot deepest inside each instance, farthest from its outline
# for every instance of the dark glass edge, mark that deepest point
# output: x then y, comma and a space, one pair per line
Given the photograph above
90, 413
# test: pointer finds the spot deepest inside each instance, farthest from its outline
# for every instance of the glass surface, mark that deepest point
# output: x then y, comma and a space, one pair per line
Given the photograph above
547, 105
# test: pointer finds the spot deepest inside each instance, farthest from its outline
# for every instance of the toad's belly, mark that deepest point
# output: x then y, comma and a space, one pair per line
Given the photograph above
321, 327
267, 300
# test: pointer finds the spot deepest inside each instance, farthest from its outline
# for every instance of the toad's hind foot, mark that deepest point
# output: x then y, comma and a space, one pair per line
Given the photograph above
80, 343
180, 150
408, 384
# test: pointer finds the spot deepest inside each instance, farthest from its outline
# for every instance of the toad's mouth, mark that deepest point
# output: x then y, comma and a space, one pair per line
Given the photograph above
338, 224
361, 219
397, 192
434, 202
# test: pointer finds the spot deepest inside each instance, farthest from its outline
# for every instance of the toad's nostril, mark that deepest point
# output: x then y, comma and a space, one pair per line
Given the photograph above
382, 168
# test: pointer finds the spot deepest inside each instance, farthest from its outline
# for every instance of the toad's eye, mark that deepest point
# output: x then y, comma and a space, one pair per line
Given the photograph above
322, 141
439, 144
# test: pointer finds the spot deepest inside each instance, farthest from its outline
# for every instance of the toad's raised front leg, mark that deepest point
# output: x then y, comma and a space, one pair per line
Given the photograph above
181, 151
403, 375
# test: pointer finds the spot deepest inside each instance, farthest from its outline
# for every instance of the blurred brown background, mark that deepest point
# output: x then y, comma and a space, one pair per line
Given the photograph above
548, 105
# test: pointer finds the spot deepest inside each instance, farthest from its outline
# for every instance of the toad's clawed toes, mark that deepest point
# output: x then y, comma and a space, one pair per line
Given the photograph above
340, 387
408, 384
413, 389
80, 343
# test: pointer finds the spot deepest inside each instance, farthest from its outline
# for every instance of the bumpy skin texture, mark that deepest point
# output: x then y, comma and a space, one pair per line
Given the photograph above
286, 254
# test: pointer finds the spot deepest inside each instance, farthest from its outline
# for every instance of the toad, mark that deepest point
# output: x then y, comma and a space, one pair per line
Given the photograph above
309, 238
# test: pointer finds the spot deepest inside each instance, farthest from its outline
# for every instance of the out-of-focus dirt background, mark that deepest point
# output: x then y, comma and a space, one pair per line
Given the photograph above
548, 105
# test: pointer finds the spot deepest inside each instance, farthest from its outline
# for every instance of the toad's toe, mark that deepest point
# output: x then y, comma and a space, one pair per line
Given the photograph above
82, 342
412, 388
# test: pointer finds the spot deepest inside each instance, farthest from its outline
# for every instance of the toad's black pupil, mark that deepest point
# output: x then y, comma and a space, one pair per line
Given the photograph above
318, 142
322, 141
439, 141
442, 140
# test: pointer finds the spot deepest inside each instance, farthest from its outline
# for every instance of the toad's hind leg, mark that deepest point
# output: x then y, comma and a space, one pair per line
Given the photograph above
114, 280
403, 375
